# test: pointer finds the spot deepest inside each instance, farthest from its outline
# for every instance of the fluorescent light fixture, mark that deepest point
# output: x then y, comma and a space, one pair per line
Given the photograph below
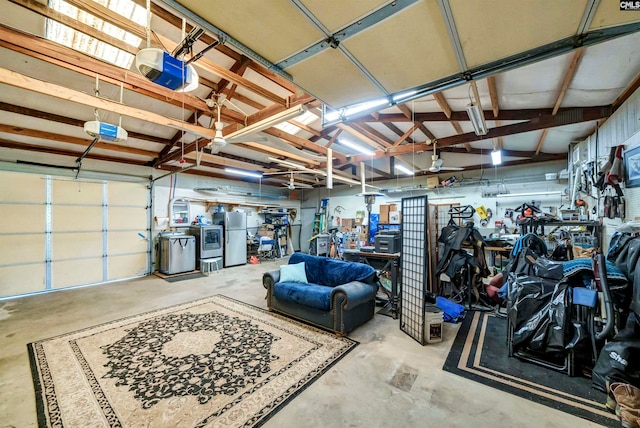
243, 173
496, 157
503, 195
404, 169
296, 166
263, 124
356, 147
334, 116
477, 119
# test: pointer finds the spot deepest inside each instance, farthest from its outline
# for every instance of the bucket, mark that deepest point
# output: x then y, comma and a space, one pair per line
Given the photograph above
433, 324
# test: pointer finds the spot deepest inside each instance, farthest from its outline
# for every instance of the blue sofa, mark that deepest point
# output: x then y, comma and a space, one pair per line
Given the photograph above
339, 295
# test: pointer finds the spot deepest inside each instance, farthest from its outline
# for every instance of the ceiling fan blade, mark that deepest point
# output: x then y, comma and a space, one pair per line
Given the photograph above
451, 168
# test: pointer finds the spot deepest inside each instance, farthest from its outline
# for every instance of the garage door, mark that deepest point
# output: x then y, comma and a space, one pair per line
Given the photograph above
56, 232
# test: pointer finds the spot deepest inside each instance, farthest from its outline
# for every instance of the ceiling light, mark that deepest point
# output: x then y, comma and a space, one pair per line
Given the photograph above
261, 125
243, 173
507, 195
404, 169
477, 119
296, 166
356, 147
496, 157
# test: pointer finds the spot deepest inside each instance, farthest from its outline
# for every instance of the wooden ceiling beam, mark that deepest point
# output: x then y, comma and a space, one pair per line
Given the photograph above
493, 95
50, 136
300, 142
628, 91
272, 150
370, 141
74, 154
25, 111
34, 85
47, 12
236, 68
411, 115
165, 15
334, 138
406, 135
73, 60
568, 77
570, 116
446, 109
225, 73
372, 133
521, 114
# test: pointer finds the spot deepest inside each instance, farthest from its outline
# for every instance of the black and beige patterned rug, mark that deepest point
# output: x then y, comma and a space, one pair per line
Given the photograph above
479, 353
212, 362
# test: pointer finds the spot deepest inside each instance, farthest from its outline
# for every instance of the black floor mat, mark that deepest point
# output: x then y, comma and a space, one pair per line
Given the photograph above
479, 353
184, 277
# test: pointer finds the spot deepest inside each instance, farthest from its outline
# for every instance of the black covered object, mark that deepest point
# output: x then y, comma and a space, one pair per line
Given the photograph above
619, 361
539, 315
624, 251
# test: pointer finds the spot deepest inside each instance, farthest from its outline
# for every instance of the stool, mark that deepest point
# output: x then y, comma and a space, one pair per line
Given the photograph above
206, 265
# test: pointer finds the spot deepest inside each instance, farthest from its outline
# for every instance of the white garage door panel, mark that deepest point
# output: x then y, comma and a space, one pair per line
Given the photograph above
128, 194
21, 218
76, 218
127, 218
21, 248
76, 245
56, 232
17, 187
76, 272
72, 192
127, 266
22, 279
125, 243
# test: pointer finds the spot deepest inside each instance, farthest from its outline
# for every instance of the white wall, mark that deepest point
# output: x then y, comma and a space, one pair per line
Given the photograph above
469, 190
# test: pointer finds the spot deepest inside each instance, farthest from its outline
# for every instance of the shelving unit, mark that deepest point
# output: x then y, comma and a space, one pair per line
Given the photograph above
180, 213
280, 222
320, 218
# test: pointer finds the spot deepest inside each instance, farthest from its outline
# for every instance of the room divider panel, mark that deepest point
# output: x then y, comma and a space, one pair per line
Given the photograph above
415, 266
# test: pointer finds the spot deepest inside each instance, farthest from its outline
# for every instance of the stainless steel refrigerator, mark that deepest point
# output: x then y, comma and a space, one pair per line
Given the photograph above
235, 236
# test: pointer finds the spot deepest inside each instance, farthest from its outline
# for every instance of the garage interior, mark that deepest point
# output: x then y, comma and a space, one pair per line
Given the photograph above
304, 116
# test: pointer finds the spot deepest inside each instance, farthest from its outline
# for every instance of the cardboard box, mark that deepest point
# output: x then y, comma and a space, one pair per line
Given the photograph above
394, 217
269, 233
283, 240
393, 207
384, 214
358, 221
433, 181
348, 223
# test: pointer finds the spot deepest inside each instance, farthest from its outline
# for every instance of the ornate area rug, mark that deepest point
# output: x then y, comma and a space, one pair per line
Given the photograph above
212, 362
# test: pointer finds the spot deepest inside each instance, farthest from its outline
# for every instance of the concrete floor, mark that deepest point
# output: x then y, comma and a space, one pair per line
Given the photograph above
357, 392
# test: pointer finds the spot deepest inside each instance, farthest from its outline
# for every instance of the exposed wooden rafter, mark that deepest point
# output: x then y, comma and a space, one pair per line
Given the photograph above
568, 77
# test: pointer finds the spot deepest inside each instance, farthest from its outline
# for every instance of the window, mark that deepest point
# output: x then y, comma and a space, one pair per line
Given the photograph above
67, 36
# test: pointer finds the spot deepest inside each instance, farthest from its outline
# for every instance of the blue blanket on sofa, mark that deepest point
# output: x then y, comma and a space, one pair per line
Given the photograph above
323, 274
